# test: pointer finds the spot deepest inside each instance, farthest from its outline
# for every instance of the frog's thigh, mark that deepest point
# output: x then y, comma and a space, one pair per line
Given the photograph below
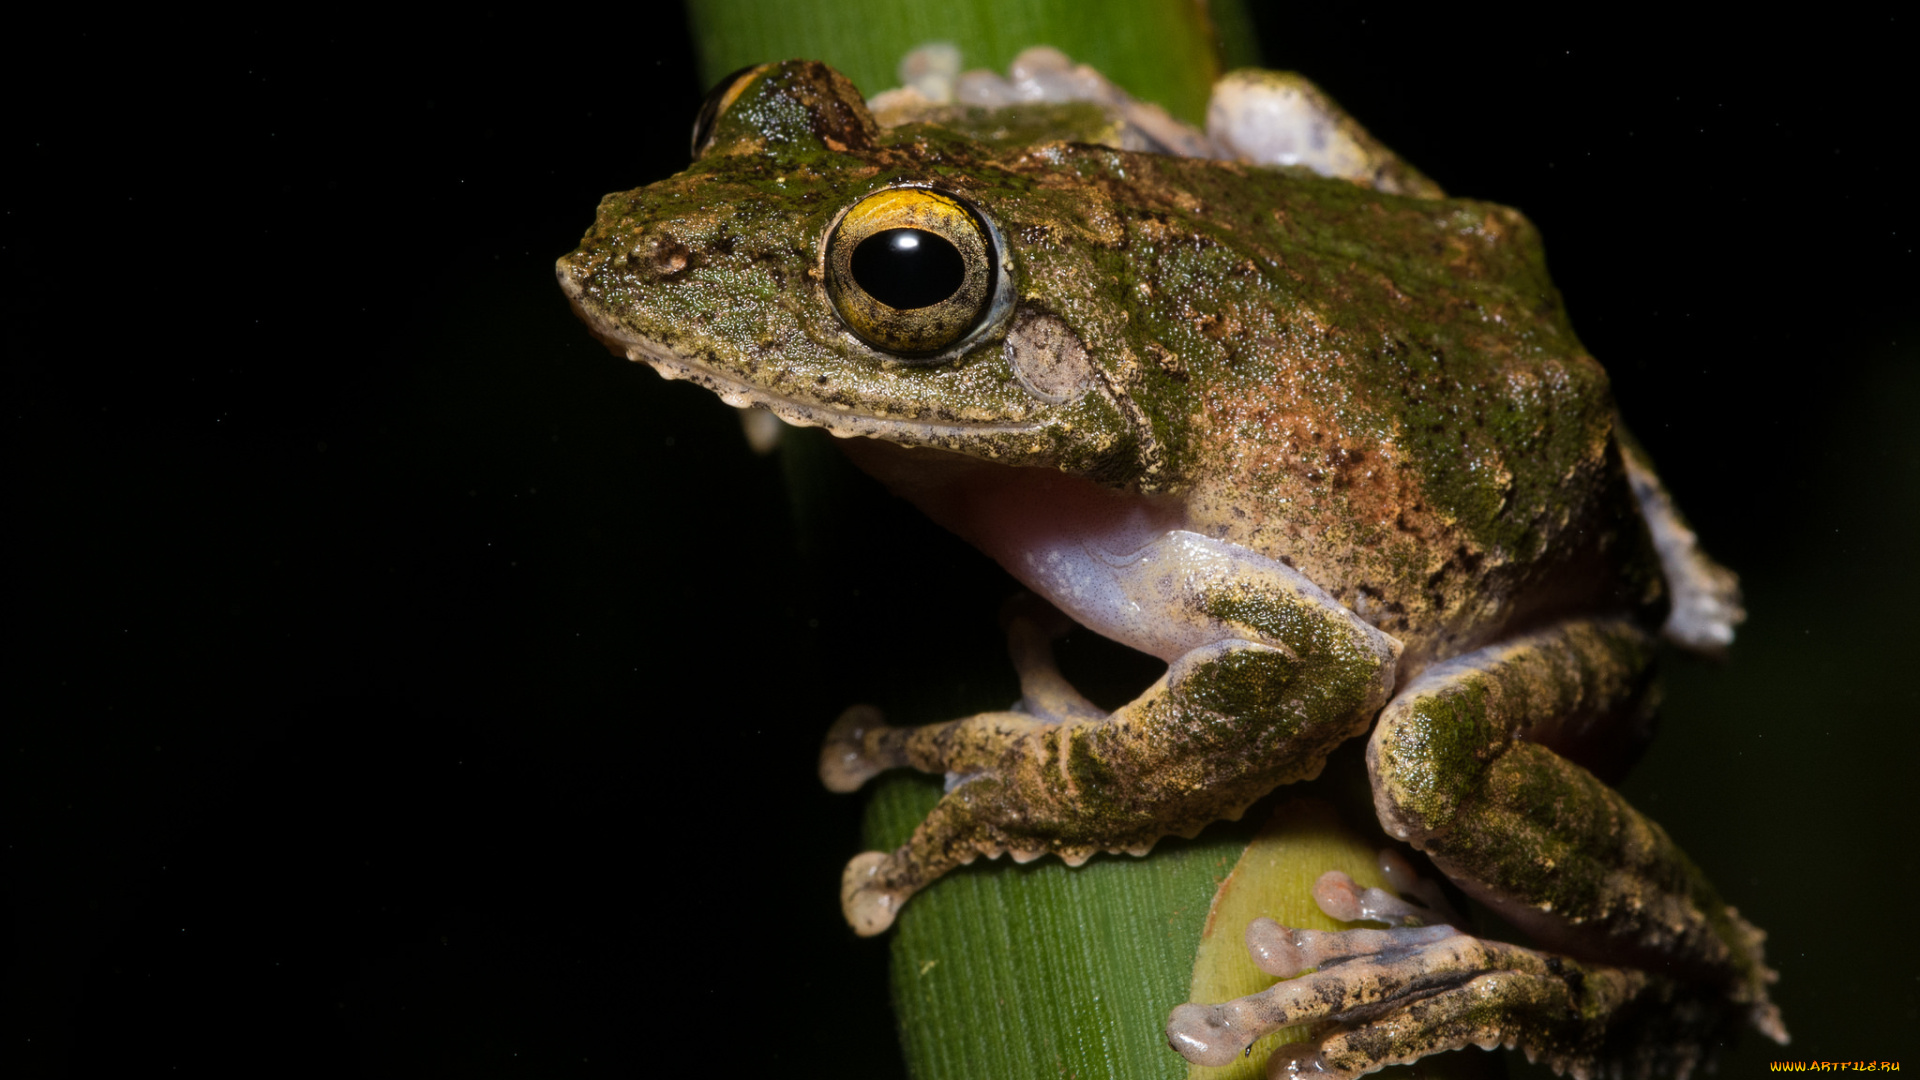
1460, 771
1289, 677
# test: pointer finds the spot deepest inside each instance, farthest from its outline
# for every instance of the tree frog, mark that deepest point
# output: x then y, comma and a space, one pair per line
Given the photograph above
1264, 403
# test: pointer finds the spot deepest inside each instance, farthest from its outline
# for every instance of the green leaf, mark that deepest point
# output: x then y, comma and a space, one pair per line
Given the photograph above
1274, 877
1046, 970
1165, 51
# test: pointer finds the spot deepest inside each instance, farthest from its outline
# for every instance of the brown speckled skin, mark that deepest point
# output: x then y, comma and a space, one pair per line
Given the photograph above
1379, 392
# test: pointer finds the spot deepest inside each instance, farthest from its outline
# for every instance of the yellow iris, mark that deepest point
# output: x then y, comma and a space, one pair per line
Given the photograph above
909, 270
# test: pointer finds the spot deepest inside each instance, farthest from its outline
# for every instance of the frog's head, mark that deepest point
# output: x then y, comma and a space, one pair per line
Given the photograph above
860, 280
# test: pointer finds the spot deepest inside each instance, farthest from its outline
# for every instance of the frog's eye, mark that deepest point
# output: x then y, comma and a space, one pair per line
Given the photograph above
911, 271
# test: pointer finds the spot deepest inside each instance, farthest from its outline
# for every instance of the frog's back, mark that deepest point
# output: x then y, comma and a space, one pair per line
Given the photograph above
1383, 391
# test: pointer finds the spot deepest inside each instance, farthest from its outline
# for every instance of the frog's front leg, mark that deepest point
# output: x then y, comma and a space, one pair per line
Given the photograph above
859, 746
1267, 675
1468, 766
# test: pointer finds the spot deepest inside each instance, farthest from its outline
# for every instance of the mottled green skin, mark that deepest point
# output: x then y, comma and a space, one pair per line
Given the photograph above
1382, 390
1015, 130
1475, 765
720, 264
1379, 392
1289, 679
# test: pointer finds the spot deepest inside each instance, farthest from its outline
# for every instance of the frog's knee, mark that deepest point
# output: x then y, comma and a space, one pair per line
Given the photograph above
867, 901
844, 761
1421, 778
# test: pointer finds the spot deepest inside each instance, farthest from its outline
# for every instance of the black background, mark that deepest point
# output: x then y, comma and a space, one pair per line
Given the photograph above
399, 685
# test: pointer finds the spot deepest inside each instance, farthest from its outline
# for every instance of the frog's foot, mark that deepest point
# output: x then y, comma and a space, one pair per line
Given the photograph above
1706, 596
865, 897
876, 883
860, 745
1387, 997
845, 761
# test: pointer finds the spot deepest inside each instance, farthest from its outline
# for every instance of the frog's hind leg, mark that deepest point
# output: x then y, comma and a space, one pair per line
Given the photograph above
1387, 997
1706, 596
1467, 764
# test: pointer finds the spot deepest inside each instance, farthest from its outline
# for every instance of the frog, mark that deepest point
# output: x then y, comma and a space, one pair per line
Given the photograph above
1263, 402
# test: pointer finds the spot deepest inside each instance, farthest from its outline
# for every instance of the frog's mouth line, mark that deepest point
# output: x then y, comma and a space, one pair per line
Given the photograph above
743, 395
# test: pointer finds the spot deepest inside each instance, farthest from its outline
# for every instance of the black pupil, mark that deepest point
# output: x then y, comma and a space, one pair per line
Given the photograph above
908, 268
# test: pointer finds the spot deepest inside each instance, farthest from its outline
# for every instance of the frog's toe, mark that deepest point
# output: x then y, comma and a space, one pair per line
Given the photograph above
1343, 899
1205, 1034
1450, 1020
1284, 952
1358, 968
845, 763
866, 898
1536, 1011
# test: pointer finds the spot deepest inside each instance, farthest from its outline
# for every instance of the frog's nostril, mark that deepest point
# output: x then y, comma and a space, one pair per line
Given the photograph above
670, 257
